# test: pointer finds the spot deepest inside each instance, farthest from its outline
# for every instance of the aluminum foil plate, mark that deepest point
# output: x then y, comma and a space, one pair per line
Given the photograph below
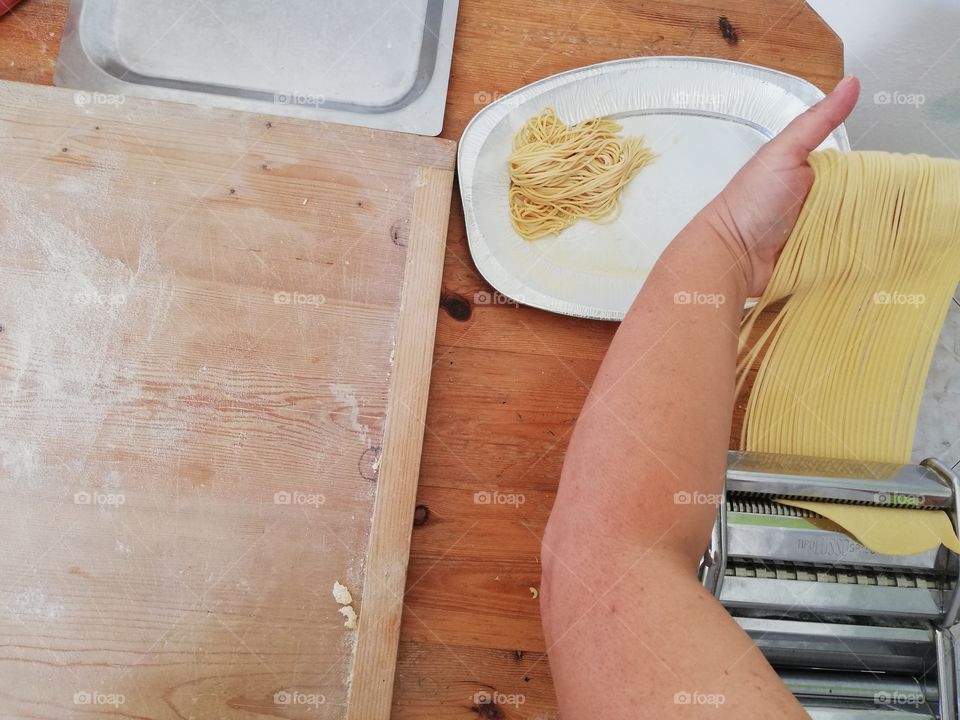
359, 62
704, 119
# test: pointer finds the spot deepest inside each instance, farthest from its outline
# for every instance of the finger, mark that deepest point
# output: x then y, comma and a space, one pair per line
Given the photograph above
808, 130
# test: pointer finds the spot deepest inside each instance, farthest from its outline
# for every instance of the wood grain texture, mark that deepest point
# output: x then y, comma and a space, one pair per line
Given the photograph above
508, 382
210, 324
489, 684
386, 568
30, 40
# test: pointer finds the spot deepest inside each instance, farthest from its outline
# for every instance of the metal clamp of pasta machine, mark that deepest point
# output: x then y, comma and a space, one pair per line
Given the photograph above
853, 633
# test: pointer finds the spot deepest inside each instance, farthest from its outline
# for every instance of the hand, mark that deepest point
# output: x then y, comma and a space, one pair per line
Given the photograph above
757, 210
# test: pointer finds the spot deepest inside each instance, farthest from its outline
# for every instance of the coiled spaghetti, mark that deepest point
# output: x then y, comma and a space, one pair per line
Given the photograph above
560, 173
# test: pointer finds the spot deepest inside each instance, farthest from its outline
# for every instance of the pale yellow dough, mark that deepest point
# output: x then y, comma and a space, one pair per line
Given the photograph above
888, 531
865, 280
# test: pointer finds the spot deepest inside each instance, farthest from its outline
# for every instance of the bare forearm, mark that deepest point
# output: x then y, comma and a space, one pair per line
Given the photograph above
656, 425
620, 555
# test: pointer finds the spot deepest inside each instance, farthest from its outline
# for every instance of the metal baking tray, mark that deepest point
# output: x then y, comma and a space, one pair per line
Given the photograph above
360, 62
704, 118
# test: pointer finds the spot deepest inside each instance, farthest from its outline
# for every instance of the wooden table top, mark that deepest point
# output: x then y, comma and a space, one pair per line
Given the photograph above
508, 382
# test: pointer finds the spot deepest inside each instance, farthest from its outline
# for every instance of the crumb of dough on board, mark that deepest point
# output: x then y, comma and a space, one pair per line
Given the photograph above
341, 594
351, 617
534, 593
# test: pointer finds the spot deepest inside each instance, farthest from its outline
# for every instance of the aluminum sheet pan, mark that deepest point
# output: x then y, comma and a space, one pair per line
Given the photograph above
704, 118
359, 62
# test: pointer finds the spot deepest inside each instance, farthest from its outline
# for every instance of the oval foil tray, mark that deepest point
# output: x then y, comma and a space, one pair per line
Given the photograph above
703, 118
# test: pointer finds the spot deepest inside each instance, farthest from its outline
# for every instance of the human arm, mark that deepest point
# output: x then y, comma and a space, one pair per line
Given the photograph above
630, 631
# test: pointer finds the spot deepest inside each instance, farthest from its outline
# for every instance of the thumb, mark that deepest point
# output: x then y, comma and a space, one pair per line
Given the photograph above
809, 129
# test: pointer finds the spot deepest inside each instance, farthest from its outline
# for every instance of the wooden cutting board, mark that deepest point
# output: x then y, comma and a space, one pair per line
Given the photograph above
215, 352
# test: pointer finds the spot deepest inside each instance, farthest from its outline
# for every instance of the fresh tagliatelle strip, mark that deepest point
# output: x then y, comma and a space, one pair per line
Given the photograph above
887, 530
865, 280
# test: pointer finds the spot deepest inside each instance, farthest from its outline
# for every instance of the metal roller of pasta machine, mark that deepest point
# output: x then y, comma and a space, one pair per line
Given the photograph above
853, 633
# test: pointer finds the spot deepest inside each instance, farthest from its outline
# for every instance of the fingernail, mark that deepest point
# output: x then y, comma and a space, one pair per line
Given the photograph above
847, 79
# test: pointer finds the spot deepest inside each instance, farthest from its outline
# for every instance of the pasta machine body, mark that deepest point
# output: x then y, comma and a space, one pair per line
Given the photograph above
853, 633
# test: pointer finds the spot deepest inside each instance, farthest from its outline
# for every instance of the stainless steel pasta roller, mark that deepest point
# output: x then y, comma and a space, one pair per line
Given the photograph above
852, 633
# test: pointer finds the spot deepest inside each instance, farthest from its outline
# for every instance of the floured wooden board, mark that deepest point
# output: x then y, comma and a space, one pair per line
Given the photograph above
217, 331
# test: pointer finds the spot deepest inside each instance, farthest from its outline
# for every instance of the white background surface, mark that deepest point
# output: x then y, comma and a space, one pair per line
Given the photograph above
910, 47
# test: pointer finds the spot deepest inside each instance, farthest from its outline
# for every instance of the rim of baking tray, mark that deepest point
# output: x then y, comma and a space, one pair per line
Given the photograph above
487, 264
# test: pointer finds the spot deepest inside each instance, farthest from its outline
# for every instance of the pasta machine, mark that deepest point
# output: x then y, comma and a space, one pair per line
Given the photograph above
853, 634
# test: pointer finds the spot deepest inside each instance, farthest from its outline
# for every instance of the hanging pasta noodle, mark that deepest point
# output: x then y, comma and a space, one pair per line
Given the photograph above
560, 173
865, 278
